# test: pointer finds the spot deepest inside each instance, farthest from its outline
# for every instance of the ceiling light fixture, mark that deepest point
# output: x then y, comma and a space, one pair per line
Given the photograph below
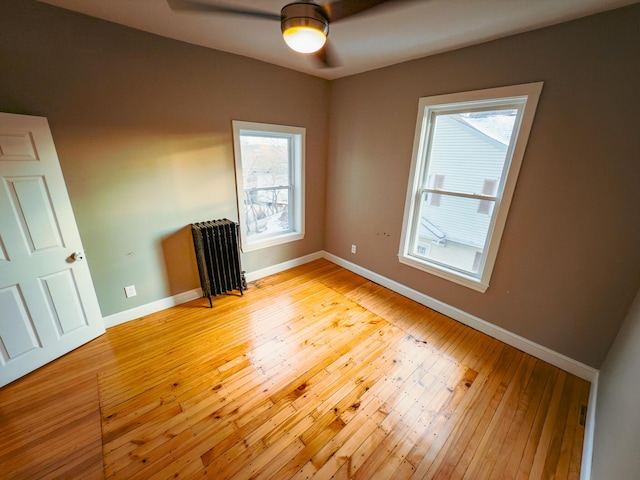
304, 26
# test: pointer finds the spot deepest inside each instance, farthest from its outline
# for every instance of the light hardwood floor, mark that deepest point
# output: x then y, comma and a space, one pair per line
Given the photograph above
314, 373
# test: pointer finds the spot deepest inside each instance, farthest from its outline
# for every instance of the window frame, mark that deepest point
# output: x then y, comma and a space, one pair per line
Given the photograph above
297, 144
526, 94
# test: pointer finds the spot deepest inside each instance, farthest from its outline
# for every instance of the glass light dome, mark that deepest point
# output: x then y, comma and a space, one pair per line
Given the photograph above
304, 39
304, 26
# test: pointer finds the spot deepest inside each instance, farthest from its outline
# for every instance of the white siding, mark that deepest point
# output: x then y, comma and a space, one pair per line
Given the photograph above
466, 158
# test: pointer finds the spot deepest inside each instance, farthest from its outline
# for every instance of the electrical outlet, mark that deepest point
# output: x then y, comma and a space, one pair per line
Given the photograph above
130, 291
353, 249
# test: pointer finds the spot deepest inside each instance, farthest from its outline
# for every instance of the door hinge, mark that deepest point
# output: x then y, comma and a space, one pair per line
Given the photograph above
583, 415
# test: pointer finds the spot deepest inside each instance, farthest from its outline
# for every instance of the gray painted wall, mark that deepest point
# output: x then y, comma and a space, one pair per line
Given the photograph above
142, 126
617, 425
569, 263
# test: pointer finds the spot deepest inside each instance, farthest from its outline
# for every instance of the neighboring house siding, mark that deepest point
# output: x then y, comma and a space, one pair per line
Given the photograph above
460, 144
466, 158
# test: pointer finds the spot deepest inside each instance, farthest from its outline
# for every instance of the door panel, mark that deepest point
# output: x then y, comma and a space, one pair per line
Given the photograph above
3, 252
31, 205
48, 305
17, 146
16, 328
61, 293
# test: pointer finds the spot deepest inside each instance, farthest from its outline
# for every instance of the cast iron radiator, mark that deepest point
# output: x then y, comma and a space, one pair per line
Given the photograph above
218, 257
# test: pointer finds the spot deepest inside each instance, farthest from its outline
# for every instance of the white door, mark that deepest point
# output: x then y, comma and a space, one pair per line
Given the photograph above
48, 305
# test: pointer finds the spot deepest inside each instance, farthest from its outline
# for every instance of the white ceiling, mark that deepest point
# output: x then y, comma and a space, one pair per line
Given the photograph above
395, 32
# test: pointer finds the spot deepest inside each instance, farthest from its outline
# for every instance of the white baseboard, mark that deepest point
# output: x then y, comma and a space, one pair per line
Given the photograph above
149, 308
281, 267
168, 302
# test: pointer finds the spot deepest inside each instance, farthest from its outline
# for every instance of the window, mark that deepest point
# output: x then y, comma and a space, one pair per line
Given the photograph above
467, 153
270, 183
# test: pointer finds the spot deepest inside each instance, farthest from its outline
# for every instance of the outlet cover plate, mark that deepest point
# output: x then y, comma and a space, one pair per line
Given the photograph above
130, 291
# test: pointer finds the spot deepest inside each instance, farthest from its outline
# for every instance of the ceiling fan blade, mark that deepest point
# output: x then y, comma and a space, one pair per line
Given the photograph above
214, 7
327, 56
339, 9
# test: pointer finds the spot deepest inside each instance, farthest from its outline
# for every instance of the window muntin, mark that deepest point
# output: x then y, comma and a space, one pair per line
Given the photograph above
467, 154
269, 178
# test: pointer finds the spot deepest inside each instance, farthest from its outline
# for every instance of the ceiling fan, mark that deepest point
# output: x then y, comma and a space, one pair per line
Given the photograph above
304, 24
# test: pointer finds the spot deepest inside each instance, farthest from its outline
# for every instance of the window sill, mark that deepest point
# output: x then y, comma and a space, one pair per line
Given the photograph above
259, 244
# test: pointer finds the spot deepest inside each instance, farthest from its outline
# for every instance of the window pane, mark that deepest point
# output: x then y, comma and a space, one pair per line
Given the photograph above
265, 161
267, 211
266, 174
454, 231
467, 148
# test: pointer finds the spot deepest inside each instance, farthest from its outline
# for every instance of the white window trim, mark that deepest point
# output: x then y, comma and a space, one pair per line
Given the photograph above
298, 175
530, 92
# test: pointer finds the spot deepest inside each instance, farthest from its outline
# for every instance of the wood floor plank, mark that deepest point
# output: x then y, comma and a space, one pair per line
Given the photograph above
314, 372
546, 435
535, 432
569, 432
576, 449
481, 467
454, 447
552, 461
512, 450
386, 400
